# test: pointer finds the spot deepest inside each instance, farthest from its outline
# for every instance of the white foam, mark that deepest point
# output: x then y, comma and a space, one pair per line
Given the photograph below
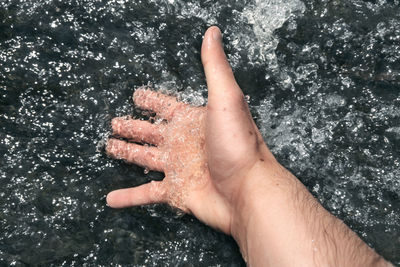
265, 17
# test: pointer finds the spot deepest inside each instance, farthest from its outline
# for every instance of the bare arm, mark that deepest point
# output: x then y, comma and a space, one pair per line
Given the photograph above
218, 168
282, 224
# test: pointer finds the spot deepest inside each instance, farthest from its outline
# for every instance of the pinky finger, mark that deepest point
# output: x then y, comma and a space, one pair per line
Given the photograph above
149, 193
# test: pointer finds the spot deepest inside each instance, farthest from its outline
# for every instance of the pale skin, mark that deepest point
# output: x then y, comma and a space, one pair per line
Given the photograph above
218, 168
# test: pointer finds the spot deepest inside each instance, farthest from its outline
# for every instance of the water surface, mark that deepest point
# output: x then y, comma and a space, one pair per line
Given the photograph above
324, 84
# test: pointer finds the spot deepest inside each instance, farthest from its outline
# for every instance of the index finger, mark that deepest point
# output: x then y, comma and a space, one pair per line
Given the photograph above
163, 105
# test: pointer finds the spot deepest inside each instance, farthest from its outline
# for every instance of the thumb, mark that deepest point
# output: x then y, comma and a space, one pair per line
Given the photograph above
230, 130
222, 86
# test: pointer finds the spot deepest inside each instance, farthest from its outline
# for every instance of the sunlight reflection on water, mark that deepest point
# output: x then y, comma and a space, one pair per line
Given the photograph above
323, 81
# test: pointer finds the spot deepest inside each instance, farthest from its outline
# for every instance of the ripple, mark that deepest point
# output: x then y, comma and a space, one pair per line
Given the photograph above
323, 83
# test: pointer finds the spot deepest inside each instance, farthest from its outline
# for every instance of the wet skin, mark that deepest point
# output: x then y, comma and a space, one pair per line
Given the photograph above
218, 168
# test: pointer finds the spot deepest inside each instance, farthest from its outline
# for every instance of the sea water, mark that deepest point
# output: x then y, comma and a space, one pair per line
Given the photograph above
323, 81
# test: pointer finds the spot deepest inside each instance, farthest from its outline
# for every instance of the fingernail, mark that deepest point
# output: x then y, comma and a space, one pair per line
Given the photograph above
108, 199
216, 34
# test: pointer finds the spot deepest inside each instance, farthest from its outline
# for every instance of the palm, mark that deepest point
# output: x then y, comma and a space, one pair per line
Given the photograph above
179, 151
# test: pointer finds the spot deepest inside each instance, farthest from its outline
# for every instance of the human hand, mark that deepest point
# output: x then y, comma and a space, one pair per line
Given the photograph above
218, 168
206, 153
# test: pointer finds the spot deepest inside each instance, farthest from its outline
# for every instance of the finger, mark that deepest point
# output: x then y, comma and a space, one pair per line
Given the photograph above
145, 156
163, 105
149, 193
222, 86
137, 130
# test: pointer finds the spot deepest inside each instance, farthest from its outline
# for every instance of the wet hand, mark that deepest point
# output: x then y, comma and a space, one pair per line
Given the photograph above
206, 153
175, 145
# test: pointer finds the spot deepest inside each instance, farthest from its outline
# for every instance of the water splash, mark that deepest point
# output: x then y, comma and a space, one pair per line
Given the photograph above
322, 76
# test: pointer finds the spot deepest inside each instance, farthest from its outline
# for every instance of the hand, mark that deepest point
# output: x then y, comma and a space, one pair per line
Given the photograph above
218, 168
206, 153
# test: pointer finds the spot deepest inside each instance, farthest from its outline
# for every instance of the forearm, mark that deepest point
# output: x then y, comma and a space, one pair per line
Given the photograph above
278, 222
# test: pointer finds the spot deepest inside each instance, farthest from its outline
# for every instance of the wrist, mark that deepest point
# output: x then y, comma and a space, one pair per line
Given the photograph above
263, 196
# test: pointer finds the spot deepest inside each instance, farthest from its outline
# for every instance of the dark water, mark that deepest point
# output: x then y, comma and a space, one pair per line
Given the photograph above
324, 84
